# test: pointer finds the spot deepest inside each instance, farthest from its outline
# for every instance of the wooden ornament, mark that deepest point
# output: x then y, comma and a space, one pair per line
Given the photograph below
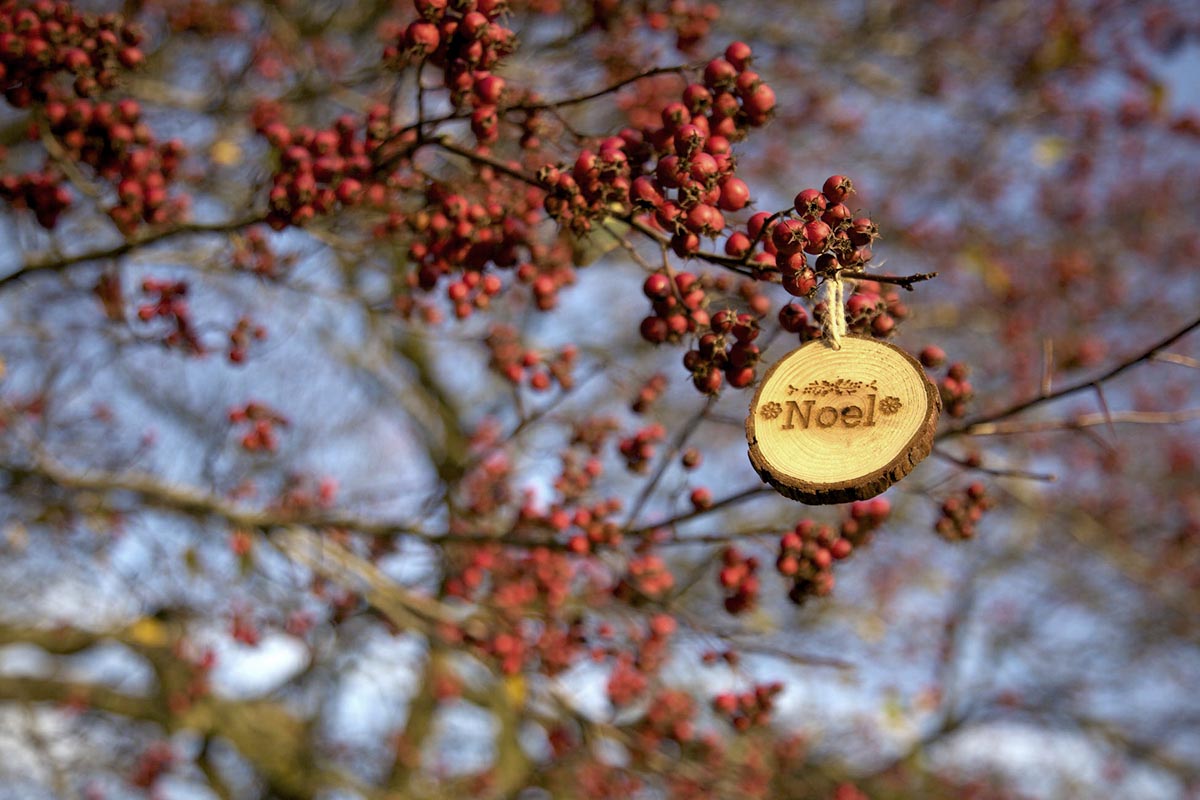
831, 426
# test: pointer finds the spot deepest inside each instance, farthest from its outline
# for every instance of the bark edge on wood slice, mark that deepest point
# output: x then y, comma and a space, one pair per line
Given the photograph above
832, 426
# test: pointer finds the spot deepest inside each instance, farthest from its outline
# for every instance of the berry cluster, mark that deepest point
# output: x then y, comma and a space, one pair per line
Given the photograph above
807, 553
243, 629
669, 715
451, 233
961, 514
574, 479
639, 448
171, 305
594, 184
485, 489
956, 390
874, 310
253, 254
40, 40
264, 420
626, 682
305, 493
519, 586
794, 319
240, 337
689, 21
648, 393
205, 18
587, 526
473, 290
824, 224
154, 762
115, 141
595, 530
466, 39
692, 183
199, 678
647, 576
520, 365
631, 674
727, 352
739, 579
43, 193
819, 224
678, 307
750, 708
320, 170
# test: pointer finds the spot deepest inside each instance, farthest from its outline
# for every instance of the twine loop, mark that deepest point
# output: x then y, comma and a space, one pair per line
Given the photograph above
835, 313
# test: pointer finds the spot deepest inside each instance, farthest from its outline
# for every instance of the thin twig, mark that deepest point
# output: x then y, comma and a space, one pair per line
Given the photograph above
905, 281
974, 426
1177, 358
1107, 413
667, 458
998, 472
1047, 365
60, 264
1087, 421
730, 500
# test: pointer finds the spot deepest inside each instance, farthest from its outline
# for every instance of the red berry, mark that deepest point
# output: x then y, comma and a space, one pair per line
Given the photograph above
738, 54
837, 188
816, 237
810, 204
735, 194
657, 286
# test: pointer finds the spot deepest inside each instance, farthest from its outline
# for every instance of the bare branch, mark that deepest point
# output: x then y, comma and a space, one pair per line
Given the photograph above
974, 426
1087, 421
63, 263
998, 472
905, 281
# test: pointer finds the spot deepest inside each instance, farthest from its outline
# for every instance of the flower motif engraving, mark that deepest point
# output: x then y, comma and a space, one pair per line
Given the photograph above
890, 405
770, 410
841, 386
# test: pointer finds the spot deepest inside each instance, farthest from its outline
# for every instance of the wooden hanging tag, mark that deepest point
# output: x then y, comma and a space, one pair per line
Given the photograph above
831, 426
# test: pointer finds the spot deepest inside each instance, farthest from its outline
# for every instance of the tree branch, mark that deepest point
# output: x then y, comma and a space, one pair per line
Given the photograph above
971, 427
63, 263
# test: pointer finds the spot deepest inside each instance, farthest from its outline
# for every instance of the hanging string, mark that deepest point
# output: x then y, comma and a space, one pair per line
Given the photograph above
835, 313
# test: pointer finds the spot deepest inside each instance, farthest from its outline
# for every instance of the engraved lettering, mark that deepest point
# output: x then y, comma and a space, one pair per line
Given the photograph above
801, 414
852, 416
793, 410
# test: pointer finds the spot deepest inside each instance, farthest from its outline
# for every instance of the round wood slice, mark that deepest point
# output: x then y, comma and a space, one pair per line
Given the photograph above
831, 426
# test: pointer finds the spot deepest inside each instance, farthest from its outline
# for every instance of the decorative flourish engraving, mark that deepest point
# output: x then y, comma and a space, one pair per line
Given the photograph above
770, 410
890, 405
840, 386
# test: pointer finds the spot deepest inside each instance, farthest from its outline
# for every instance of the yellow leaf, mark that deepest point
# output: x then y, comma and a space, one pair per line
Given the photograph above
1158, 97
871, 628
895, 714
514, 690
148, 632
225, 153
16, 536
1049, 150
